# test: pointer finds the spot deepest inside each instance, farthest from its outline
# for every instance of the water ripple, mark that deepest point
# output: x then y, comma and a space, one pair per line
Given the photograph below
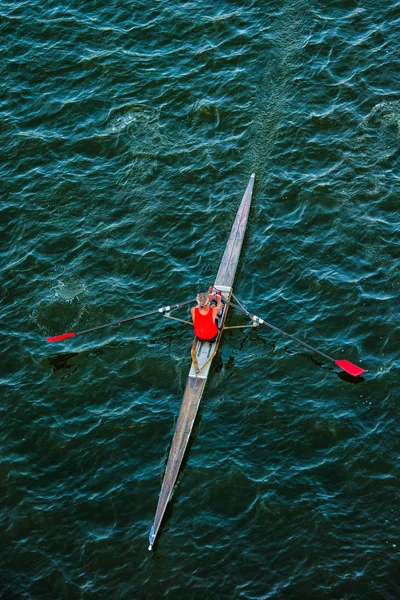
128, 135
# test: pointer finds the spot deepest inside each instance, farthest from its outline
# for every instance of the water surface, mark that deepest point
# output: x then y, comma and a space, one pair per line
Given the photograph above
129, 132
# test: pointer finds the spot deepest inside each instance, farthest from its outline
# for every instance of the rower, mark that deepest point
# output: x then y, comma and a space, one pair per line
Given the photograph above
205, 316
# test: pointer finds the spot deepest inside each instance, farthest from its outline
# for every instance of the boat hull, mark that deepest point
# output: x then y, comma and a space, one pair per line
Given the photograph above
204, 353
187, 416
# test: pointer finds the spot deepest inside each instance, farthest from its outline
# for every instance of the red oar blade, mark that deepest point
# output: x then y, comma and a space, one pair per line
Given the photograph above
58, 338
347, 366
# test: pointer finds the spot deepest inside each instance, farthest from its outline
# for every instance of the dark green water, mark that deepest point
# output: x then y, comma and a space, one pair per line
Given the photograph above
128, 134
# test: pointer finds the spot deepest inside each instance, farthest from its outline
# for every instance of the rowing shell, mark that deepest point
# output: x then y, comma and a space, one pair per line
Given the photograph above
203, 354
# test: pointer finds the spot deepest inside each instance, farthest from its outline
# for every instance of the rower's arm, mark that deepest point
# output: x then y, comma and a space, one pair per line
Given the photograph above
218, 307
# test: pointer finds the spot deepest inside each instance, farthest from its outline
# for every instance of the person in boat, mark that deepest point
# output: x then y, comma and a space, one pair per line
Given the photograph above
205, 316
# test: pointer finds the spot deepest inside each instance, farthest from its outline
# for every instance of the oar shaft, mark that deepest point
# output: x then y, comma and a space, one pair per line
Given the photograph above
288, 335
162, 310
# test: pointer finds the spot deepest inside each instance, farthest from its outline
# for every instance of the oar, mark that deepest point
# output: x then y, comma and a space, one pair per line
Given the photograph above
345, 365
162, 310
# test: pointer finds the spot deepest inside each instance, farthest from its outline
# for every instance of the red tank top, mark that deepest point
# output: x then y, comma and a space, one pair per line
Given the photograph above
205, 327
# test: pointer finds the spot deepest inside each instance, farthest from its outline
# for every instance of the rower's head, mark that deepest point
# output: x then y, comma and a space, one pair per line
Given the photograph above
202, 300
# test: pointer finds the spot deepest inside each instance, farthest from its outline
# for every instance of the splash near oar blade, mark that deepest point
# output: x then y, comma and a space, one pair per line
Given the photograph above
349, 367
59, 338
